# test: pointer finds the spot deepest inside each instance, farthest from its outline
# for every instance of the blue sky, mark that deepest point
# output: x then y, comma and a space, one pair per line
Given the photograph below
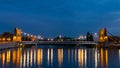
50, 18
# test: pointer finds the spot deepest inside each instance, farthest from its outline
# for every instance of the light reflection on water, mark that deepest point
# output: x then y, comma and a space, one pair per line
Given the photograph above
59, 57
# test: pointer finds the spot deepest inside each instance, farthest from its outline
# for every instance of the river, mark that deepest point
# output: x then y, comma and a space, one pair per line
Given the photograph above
52, 56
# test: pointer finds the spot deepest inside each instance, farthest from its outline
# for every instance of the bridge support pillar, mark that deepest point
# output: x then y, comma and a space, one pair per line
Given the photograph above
103, 35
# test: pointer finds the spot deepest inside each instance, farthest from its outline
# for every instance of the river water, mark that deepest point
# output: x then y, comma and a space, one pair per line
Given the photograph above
51, 56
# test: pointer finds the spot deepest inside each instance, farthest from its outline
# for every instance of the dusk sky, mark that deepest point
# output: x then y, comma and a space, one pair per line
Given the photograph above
50, 18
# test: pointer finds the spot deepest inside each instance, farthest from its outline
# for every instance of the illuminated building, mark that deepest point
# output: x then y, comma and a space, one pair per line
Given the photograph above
17, 35
6, 37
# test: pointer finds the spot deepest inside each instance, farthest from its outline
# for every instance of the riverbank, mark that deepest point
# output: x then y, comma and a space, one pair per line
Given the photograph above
6, 45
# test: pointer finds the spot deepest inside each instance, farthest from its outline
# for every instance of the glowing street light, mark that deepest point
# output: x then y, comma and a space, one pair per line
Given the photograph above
25, 33
28, 34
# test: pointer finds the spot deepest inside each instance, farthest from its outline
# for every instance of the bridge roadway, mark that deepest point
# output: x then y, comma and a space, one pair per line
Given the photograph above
60, 42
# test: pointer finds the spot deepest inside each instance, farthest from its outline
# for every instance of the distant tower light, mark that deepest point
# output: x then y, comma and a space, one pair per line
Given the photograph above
60, 36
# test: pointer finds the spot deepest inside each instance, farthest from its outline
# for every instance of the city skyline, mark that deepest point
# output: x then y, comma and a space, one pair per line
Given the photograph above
66, 17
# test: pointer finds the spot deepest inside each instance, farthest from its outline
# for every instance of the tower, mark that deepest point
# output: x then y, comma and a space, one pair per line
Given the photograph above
103, 35
89, 37
17, 35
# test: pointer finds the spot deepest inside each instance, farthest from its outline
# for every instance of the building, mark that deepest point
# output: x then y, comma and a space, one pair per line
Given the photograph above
6, 37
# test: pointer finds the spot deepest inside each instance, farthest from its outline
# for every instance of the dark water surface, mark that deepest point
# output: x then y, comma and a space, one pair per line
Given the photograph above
50, 56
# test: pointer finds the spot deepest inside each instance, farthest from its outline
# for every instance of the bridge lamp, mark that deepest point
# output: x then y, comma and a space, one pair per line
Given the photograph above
31, 35
35, 36
95, 35
28, 34
81, 37
41, 38
51, 39
85, 37
25, 33
48, 39
38, 37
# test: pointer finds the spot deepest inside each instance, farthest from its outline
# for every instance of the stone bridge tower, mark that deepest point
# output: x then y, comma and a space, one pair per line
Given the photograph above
17, 35
103, 35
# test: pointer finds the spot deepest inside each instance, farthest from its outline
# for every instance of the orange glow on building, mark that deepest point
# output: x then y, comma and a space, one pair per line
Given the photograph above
3, 39
14, 38
8, 39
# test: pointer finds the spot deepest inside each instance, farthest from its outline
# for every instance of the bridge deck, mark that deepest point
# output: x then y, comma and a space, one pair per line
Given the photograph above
61, 42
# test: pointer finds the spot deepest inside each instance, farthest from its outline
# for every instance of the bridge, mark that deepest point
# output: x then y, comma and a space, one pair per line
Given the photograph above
103, 37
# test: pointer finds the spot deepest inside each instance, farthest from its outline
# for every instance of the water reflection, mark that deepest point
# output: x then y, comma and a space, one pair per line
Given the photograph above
37, 57
60, 57
104, 58
119, 55
49, 56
